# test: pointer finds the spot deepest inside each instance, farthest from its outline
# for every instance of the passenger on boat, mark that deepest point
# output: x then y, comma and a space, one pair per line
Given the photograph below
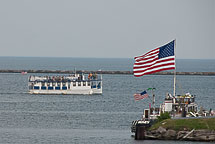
94, 76
90, 76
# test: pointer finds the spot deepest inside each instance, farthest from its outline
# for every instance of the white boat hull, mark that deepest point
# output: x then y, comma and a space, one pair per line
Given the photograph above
59, 92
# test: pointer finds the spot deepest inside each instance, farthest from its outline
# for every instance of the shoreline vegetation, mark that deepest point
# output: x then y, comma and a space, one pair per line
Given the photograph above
104, 72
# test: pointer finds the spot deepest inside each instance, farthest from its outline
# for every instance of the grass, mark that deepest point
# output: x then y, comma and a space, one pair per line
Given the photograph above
189, 124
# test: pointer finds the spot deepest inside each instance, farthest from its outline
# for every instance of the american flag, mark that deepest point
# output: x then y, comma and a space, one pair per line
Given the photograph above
139, 96
156, 60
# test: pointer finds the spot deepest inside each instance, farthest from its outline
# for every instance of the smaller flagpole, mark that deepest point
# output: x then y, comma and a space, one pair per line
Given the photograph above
153, 99
174, 93
153, 102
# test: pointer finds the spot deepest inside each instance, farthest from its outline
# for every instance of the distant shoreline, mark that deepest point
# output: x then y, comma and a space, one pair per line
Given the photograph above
105, 72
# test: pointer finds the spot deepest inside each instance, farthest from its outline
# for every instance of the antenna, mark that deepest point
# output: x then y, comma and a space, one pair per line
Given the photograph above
75, 71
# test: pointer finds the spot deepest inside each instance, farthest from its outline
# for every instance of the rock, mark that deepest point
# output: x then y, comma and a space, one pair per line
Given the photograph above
203, 138
181, 134
153, 132
212, 137
198, 133
161, 130
170, 134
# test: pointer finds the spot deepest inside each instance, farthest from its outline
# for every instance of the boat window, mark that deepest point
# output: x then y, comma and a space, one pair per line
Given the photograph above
93, 85
64, 88
36, 87
79, 83
146, 113
99, 85
84, 83
50, 88
88, 83
43, 87
57, 88
31, 86
74, 84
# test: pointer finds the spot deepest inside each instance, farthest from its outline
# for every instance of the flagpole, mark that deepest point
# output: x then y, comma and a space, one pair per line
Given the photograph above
174, 93
153, 99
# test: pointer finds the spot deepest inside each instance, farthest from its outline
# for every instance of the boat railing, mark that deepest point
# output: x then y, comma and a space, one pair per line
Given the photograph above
63, 79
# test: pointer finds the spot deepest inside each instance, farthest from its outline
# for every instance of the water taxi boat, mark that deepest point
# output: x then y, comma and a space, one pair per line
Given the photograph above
70, 84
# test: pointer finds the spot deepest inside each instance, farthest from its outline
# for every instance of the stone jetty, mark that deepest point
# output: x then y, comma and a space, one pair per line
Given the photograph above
105, 72
169, 134
187, 129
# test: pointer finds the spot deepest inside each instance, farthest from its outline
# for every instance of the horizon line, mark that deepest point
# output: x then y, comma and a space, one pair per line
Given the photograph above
98, 57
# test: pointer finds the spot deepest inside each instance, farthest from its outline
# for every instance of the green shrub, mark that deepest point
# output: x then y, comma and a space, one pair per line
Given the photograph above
163, 116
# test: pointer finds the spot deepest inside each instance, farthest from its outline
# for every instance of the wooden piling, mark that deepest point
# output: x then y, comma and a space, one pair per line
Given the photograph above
140, 132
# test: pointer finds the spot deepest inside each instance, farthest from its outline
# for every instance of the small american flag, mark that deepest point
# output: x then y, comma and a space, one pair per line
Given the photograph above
156, 60
139, 96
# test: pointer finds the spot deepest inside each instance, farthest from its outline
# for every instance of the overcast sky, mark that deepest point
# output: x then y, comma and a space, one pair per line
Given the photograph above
106, 28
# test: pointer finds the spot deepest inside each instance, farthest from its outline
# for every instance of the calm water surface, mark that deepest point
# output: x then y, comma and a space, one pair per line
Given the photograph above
106, 118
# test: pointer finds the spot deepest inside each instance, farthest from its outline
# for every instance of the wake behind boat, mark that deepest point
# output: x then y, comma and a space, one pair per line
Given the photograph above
71, 84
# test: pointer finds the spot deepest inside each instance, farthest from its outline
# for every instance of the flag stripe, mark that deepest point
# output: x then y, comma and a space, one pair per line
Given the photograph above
151, 51
164, 66
155, 67
147, 61
154, 71
147, 58
154, 51
154, 63
139, 96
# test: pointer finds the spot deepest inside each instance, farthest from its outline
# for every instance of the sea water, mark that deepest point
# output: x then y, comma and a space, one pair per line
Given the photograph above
105, 118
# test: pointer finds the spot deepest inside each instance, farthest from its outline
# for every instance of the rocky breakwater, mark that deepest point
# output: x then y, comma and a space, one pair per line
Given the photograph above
169, 134
190, 129
104, 72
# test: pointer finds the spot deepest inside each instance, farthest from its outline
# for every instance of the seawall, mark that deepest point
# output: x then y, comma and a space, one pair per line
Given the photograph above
105, 72
187, 135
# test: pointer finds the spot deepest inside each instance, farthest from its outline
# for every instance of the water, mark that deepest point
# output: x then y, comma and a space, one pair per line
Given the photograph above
106, 118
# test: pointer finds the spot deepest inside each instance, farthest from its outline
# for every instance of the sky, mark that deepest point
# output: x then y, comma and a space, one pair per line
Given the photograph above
106, 28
